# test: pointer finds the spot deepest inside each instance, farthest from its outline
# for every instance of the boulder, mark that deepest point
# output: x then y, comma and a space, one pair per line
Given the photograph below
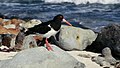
108, 37
74, 38
29, 42
18, 41
108, 56
40, 57
24, 42
31, 23
106, 59
6, 39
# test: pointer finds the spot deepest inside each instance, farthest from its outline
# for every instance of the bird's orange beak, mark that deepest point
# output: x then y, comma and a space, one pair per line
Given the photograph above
67, 22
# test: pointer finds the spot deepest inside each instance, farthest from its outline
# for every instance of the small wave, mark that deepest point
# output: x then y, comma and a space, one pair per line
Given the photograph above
10, 4
61, 1
84, 1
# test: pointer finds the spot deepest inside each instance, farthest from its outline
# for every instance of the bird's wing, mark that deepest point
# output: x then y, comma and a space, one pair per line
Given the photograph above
38, 29
41, 28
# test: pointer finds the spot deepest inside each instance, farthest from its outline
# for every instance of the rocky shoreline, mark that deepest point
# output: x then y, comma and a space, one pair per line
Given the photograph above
76, 44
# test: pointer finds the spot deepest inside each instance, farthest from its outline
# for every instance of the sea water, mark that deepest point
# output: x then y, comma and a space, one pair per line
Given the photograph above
94, 14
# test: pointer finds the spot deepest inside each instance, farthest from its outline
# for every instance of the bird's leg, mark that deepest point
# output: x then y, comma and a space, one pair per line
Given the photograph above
53, 41
48, 45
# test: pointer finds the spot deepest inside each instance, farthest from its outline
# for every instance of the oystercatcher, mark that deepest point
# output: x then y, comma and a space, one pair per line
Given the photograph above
48, 29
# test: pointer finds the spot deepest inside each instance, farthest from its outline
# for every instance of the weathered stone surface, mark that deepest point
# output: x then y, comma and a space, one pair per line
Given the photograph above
17, 43
106, 59
101, 61
6, 39
29, 42
23, 42
117, 65
73, 38
31, 23
40, 57
3, 62
108, 56
9, 26
12, 42
108, 37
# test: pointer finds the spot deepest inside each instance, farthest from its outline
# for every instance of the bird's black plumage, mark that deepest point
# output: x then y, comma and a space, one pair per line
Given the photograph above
46, 26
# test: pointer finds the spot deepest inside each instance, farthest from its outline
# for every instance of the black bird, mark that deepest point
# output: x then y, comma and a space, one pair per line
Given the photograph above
48, 29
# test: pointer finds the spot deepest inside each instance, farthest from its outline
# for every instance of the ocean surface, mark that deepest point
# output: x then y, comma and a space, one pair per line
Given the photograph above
94, 14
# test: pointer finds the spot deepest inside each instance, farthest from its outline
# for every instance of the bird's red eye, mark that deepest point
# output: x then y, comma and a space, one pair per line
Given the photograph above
61, 17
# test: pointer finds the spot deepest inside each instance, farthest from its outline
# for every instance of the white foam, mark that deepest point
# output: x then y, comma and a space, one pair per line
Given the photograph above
9, 4
60, 1
84, 1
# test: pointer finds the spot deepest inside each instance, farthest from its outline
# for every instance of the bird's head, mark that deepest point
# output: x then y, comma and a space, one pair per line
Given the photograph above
61, 18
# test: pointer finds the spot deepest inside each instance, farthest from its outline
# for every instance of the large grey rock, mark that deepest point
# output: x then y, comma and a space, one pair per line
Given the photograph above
40, 57
73, 38
3, 62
